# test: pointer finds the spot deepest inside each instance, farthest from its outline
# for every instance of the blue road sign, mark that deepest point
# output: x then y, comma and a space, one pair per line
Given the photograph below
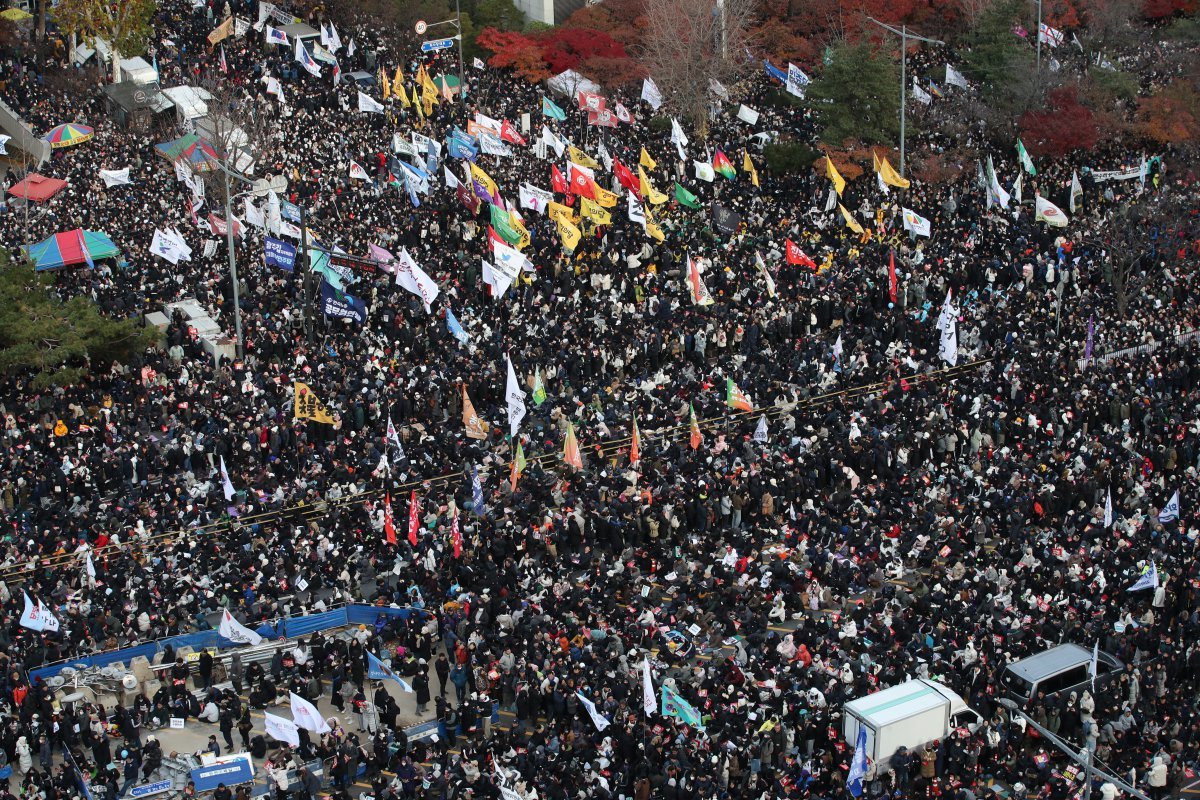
436, 44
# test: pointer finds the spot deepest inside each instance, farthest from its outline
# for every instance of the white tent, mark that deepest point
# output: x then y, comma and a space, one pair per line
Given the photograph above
138, 71
189, 101
570, 83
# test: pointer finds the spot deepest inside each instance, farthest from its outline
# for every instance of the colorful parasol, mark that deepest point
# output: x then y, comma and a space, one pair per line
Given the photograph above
68, 134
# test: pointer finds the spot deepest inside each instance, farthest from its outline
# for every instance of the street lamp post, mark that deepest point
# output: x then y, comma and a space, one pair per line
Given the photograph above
233, 276
904, 35
457, 23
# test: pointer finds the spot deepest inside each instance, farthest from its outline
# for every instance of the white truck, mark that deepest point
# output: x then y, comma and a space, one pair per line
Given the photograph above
909, 715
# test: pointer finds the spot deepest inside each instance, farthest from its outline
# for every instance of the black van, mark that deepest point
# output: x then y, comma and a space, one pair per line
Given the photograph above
1060, 669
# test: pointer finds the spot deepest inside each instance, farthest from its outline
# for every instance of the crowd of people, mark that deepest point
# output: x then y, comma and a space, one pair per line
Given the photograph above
772, 565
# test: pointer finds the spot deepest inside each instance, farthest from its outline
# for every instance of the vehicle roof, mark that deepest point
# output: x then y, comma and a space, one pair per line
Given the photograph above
897, 702
1051, 661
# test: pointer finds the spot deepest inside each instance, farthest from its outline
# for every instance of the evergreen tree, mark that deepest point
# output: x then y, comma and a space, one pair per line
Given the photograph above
857, 96
995, 51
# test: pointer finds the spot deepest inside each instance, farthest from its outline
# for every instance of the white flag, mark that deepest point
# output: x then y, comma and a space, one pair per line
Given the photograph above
1095, 661
1108, 509
394, 438
919, 94
90, 566
478, 63
553, 141
357, 172
717, 88
837, 348
678, 139
947, 313
368, 104
115, 177
254, 215
1051, 36
1170, 511
916, 223
760, 433
282, 729
162, 246
1149, 580
451, 181
704, 171
4, 140
535, 198
226, 484
37, 617
1049, 213
748, 115
651, 94
492, 145
516, 399
498, 280
948, 348
796, 80
307, 61
306, 715
335, 41
995, 192
597, 718
637, 212
235, 631
410, 276
1076, 190
955, 78
275, 36
649, 702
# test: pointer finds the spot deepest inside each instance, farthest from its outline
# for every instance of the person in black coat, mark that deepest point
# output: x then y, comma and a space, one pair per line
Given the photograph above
421, 687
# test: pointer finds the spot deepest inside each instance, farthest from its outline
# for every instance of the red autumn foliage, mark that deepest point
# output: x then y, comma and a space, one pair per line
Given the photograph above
565, 48
514, 51
1064, 126
1161, 9
1172, 116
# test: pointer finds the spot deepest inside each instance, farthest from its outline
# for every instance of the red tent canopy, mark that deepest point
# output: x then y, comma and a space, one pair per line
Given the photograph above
37, 188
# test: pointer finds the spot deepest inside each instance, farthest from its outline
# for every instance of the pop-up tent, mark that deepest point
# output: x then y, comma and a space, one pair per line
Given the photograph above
67, 248
37, 188
193, 149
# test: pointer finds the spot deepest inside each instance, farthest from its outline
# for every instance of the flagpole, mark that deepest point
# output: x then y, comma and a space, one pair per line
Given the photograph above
904, 35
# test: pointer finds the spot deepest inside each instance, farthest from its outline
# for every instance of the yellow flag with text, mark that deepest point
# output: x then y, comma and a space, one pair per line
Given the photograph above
308, 406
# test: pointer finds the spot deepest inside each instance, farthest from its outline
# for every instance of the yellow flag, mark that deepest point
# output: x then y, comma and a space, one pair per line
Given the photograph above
839, 183
582, 158
748, 166
571, 449
308, 406
557, 211
887, 173
851, 222
652, 195
652, 227
594, 211
604, 197
397, 80
383, 82
646, 161
398, 91
476, 428
519, 226
481, 176
222, 31
568, 233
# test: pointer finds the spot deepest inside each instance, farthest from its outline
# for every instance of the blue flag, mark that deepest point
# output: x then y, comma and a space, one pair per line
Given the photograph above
552, 111
774, 71
858, 767
461, 148
675, 706
378, 671
456, 330
278, 253
339, 304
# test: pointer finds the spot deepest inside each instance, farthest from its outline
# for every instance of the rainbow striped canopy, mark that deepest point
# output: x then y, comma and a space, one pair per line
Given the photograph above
68, 134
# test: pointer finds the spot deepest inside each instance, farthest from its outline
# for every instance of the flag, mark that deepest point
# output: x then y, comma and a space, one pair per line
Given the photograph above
934, 89
597, 718
378, 671
651, 94
275, 36
552, 111
915, 223
571, 449
235, 631
414, 518
539, 388
892, 275
735, 397
510, 134
476, 428
695, 437
995, 192
516, 399
581, 182
90, 566
385, 86
955, 78
389, 522
635, 443
594, 211
851, 222
1108, 509
456, 536
837, 348
748, 115
794, 255
1017, 185
368, 104
762, 268
456, 329
760, 433
557, 182
678, 138
1049, 213
518, 465
648, 704
1094, 663
919, 94
886, 173
310, 65
1076, 190
281, 729
796, 80
1050, 36
1170, 512
306, 715
477, 493
581, 158
652, 195
223, 64
307, 406
222, 31
858, 766
646, 161
835, 177
1026, 161
451, 181
412, 278
226, 484
1091, 336
569, 234
37, 617
947, 313
748, 166
477, 63
685, 197
948, 345
1149, 580
700, 294
357, 172
722, 164
675, 706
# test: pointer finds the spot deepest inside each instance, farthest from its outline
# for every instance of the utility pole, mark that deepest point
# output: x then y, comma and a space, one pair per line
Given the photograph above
233, 276
1039, 37
904, 35
462, 78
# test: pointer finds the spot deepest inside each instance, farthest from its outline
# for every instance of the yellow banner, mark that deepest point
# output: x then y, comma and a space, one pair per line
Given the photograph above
308, 406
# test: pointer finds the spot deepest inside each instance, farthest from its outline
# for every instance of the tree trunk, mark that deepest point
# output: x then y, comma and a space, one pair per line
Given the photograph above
116, 65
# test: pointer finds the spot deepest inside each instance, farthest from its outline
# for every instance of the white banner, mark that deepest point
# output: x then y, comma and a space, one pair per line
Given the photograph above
235, 631
282, 730
535, 198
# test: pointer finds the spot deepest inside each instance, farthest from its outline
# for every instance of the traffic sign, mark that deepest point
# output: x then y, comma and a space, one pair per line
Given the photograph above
436, 44
421, 27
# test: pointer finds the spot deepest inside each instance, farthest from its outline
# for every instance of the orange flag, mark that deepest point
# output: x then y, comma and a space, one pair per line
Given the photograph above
571, 449
635, 444
476, 428
697, 437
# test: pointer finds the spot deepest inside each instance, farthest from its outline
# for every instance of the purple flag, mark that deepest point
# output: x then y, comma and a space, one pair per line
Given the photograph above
1087, 348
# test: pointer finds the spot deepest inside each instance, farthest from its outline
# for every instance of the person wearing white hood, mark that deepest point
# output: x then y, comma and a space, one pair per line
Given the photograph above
24, 756
1156, 777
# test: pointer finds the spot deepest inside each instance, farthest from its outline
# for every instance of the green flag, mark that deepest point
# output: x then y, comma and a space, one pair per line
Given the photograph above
552, 111
539, 388
685, 197
502, 222
1026, 161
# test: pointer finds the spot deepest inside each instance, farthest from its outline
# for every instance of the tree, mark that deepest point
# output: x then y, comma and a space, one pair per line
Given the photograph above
566, 48
993, 49
515, 51
1064, 126
125, 25
57, 343
856, 96
1172, 115
688, 44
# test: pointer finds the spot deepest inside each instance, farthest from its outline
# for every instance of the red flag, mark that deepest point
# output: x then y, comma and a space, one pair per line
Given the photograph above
590, 101
602, 118
627, 178
468, 198
509, 134
389, 527
224, 63
581, 183
892, 274
414, 518
557, 182
456, 536
797, 256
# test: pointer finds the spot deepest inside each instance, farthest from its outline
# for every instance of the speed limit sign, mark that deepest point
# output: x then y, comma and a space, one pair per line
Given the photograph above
421, 27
